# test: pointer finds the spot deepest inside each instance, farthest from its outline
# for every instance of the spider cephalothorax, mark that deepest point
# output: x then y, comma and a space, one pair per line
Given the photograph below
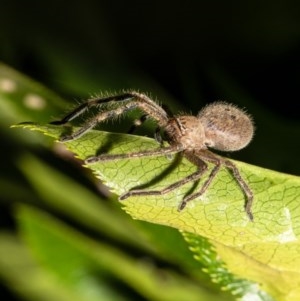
219, 126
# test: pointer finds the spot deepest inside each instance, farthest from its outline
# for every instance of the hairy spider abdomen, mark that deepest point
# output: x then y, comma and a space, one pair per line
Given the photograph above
186, 131
227, 128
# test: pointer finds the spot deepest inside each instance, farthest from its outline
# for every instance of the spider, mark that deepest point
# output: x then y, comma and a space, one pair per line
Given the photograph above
220, 126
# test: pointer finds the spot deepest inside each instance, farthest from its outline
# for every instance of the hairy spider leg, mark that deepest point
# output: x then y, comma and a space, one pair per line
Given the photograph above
137, 123
87, 105
198, 158
157, 136
206, 184
173, 149
202, 167
92, 122
244, 186
125, 102
217, 161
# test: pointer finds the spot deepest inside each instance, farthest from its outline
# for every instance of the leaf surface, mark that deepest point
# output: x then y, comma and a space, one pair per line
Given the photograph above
265, 251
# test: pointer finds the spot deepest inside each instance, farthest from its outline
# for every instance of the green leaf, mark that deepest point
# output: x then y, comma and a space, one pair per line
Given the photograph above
219, 273
265, 251
22, 97
106, 218
22, 274
85, 267
55, 190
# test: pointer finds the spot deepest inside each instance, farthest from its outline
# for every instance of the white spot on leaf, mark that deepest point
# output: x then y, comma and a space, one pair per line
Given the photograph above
289, 234
34, 101
7, 85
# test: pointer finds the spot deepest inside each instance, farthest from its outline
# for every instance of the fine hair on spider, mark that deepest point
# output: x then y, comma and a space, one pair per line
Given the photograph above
220, 126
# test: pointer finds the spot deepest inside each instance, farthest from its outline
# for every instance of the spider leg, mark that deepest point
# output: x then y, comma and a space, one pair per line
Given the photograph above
114, 106
85, 128
204, 187
90, 124
244, 186
202, 167
151, 153
137, 123
218, 161
75, 113
158, 137
88, 104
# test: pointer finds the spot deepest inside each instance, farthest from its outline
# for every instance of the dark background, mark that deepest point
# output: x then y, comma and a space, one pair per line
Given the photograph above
185, 53
245, 52
175, 42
